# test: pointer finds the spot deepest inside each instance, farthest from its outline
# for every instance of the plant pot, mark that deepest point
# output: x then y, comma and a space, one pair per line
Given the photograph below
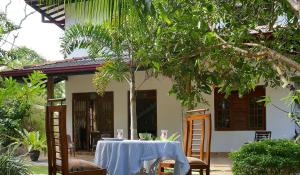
34, 155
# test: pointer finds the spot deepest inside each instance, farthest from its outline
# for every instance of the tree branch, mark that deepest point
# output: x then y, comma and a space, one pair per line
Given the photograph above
7, 5
265, 51
276, 55
147, 77
26, 15
15, 36
281, 75
199, 50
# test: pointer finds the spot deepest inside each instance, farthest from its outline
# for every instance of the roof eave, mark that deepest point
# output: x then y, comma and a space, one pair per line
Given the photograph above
50, 71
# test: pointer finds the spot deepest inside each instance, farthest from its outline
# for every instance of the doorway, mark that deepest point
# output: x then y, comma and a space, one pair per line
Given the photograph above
91, 114
146, 110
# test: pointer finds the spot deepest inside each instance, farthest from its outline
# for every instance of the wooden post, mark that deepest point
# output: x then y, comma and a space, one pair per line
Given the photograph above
50, 95
50, 87
49, 146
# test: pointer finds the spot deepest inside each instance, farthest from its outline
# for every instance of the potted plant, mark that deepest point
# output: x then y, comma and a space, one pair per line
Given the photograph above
34, 142
145, 136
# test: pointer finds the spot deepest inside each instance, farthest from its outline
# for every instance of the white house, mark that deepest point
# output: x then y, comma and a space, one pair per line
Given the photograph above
235, 120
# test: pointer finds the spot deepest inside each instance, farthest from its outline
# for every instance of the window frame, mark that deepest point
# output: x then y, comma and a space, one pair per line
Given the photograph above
258, 92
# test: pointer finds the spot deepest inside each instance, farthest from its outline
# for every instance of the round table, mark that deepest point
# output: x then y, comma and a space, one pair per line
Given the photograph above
128, 156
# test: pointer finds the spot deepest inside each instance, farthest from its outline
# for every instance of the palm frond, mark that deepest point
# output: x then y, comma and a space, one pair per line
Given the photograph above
95, 38
101, 10
116, 69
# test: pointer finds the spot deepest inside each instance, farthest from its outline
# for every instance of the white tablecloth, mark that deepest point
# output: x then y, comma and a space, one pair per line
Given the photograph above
127, 157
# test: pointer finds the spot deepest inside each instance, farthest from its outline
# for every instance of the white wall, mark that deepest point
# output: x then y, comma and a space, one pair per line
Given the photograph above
169, 111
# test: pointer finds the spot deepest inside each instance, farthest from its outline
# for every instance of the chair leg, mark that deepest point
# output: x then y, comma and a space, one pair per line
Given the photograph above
201, 171
207, 171
190, 172
159, 170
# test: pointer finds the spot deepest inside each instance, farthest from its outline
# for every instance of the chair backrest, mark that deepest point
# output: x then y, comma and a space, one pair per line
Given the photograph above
57, 140
260, 135
197, 135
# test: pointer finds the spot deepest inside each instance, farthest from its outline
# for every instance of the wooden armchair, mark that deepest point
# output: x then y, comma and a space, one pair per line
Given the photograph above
197, 142
260, 135
58, 161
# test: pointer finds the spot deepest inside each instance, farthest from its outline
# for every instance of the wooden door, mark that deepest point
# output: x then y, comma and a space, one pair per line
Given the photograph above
81, 111
146, 110
104, 111
91, 114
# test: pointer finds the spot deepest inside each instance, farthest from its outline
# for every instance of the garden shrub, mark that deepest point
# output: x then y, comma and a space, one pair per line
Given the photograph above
12, 112
10, 164
267, 157
17, 102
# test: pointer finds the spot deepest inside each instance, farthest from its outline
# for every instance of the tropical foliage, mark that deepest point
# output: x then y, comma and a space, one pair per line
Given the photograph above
22, 56
199, 44
98, 11
203, 44
59, 90
10, 164
174, 137
148, 136
6, 27
16, 101
14, 57
31, 140
267, 157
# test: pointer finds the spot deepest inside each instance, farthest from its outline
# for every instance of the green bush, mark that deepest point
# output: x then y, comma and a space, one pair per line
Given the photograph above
267, 157
17, 101
12, 113
297, 139
10, 164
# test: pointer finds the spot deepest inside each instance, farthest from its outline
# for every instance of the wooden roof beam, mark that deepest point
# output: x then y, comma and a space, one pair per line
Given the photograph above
59, 16
47, 16
55, 11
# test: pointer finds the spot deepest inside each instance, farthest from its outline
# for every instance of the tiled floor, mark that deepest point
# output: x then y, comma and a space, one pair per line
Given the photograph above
220, 165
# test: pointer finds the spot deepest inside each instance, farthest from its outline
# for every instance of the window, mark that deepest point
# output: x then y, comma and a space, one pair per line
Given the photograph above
235, 114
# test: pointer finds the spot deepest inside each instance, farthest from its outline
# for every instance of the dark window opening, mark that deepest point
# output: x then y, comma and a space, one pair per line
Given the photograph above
234, 113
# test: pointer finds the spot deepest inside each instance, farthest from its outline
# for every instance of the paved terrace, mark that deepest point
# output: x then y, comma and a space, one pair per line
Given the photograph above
220, 164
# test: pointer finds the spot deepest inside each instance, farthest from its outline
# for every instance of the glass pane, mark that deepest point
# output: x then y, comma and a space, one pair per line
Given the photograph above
223, 119
255, 113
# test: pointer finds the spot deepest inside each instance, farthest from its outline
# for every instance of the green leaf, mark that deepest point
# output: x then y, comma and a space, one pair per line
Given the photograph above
265, 99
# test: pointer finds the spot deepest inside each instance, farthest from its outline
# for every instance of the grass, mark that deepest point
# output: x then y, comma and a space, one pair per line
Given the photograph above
39, 169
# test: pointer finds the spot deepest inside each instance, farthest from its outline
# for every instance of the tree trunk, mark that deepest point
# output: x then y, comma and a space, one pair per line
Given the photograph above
133, 117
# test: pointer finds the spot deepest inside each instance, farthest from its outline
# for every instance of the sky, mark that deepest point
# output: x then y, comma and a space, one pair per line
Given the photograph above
41, 37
